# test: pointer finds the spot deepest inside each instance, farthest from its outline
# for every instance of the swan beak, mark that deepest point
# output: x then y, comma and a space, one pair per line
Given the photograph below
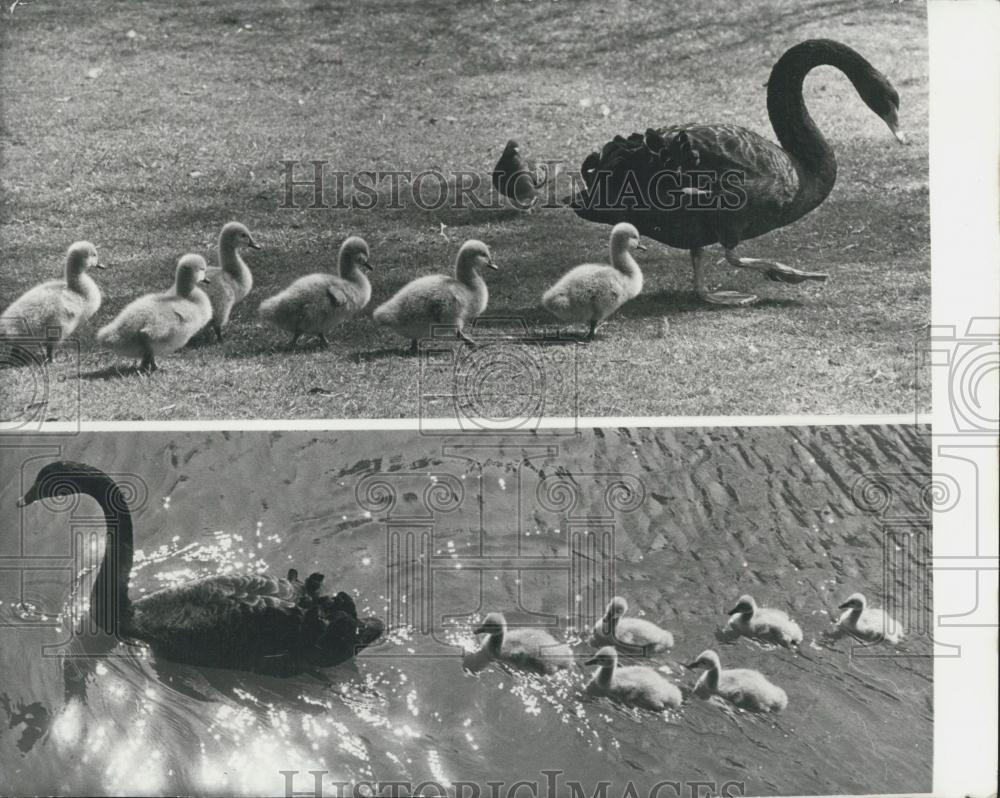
641, 247
28, 498
845, 605
205, 280
591, 661
492, 265
100, 265
253, 244
733, 611
368, 265
691, 666
900, 136
479, 630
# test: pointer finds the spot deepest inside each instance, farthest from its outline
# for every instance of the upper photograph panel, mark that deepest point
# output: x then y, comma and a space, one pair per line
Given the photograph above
501, 210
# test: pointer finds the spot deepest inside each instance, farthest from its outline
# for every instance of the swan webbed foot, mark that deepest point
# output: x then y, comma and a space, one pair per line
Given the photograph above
729, 298
148, 365
773, 270
217, 329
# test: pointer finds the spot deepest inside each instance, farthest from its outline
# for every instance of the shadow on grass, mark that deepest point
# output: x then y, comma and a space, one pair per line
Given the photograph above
114, 373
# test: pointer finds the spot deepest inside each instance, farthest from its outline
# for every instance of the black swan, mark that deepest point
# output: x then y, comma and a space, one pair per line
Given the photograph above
690, 186
256, 623
515, 178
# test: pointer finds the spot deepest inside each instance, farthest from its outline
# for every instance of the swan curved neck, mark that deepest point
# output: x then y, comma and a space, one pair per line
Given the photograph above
466, 272
230, 260
110, 607
493, 644
622, 260
794, 127
604, 674
712, 677
184, 284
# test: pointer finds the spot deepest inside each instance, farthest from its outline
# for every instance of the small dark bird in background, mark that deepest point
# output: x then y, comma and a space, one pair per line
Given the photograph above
516, 179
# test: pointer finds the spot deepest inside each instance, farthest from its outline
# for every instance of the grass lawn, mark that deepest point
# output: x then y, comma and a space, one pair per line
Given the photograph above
144, 127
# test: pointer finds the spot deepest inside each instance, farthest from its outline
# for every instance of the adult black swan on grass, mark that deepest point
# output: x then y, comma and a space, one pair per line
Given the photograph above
257, 623
691, 186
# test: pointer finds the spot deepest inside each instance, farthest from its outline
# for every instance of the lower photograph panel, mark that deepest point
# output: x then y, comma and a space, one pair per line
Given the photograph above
616, 611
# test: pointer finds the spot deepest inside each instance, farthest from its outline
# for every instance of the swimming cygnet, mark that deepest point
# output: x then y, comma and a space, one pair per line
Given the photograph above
317, 303
437, 299
531, 649
230, 281
745, 688
749, 620
591, 292
630, 635
633, 685
54, 309
158, 324
869, 624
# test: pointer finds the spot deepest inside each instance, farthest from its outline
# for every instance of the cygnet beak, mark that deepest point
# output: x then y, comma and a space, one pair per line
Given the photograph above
692, 666
479, 630
641, 247
253, 244
368, 265
100, 265
205, 280
492, 265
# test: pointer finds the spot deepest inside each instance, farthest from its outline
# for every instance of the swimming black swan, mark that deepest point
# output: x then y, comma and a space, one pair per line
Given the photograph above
690, 186
254, 623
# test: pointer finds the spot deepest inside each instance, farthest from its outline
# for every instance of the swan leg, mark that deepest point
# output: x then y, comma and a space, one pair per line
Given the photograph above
593, 330
217, 329
49, 347
322, 340
148, 364
700, 266
415, 347
771, 269
463, 337
295, 340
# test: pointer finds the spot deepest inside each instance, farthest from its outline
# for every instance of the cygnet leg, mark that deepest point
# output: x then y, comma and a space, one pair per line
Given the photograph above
592, 331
